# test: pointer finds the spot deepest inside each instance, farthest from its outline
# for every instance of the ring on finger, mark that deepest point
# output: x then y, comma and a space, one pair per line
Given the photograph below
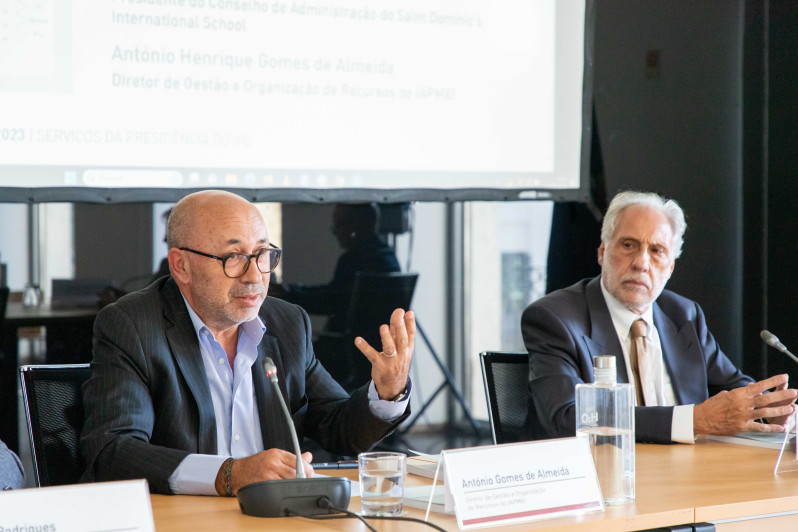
389, 355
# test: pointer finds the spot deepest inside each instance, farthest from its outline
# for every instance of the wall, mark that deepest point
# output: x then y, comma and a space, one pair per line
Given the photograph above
773, 184
679, 133
113, 241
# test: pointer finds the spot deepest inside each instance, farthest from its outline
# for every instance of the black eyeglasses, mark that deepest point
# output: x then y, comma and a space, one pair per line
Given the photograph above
236, 264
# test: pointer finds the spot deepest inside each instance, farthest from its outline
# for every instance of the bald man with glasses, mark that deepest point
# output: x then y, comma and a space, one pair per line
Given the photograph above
178, 394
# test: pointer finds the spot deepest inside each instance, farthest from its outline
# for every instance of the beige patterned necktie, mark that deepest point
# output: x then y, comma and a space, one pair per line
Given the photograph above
639, 358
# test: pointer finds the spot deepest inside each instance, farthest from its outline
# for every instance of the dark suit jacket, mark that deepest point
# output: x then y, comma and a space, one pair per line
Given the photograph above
148, 403
566, 329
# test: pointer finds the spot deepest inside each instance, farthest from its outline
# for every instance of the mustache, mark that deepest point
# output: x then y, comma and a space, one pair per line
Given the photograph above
247, 290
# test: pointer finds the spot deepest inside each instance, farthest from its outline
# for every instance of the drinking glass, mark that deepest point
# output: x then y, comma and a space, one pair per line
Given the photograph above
382, 476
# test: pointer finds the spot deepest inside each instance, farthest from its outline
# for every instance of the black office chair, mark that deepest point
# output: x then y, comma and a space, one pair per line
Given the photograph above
374, 297
506, 377
54, 409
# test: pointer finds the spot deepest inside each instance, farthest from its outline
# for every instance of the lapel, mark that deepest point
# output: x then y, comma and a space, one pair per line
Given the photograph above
602, 339
269, 410
683, 359
185, 348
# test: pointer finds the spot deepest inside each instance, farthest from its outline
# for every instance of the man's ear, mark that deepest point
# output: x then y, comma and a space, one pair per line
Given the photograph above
178, 265
601, 254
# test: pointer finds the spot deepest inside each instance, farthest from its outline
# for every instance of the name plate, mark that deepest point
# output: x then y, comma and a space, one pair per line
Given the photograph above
78, 507
519, 482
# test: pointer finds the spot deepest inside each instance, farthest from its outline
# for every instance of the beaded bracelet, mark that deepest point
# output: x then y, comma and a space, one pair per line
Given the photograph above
228, 469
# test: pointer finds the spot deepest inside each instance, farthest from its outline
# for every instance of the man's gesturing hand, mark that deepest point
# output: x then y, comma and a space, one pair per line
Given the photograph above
730, 412
389, 368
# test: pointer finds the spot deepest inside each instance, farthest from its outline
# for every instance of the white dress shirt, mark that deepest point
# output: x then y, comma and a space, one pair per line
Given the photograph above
238, 433
622, 319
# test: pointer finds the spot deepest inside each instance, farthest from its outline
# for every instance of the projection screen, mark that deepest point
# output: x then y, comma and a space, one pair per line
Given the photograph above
143, 100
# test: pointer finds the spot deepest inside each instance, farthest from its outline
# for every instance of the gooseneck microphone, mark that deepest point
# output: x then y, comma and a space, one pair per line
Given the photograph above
289, 496
773, 341
271, 372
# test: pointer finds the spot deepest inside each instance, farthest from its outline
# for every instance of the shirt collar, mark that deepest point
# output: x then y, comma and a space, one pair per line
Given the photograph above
623, 318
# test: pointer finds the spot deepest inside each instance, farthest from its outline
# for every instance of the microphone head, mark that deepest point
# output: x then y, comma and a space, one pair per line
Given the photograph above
270, 368
769, 338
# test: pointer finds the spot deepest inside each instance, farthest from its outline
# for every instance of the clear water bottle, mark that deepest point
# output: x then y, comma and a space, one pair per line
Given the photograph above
605, 415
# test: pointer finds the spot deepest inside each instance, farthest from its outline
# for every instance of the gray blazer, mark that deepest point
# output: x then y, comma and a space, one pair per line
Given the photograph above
566, 329
148, 403
12, 475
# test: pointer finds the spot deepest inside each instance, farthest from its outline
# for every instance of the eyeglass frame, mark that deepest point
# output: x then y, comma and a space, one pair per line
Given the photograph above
249, 258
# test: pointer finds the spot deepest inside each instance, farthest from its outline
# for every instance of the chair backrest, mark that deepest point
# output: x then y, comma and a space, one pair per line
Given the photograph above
54, 409
78, 292
506, 377
374, 297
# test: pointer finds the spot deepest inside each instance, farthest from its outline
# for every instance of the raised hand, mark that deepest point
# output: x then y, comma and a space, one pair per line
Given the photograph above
389, 367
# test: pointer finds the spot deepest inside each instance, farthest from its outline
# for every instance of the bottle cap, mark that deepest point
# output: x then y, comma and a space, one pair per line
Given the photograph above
604, 369
604, 362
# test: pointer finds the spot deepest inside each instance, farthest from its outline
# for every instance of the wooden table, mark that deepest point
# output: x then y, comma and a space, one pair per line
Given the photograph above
676, 484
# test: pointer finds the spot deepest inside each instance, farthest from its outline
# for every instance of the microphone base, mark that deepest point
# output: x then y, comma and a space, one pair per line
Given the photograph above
274, 498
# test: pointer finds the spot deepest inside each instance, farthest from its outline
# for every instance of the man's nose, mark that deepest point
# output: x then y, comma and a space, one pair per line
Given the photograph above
252, 275
642, 260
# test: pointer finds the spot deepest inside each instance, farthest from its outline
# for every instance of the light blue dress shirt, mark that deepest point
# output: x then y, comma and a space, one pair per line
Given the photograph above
12, 475
238, 431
